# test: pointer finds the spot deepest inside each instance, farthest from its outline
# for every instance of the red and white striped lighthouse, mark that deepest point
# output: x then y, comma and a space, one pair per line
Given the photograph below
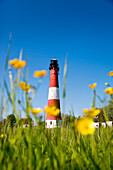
53, 97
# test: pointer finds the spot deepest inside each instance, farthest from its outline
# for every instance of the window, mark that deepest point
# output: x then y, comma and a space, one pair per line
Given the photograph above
50, 122
97, 126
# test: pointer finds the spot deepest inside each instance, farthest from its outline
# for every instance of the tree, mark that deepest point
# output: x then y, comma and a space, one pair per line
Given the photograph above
11, 119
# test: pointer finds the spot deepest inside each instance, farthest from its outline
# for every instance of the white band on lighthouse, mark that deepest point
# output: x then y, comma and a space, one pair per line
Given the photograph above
53, 93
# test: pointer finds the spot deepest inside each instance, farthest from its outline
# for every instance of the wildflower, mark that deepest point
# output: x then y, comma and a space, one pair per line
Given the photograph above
110, 73
24, 86
57, 111
85, 126
107, 84
36, 110
92, 86
16, 63
1, 135
109, 90
40, 73
47, 109
52, 110
92, 112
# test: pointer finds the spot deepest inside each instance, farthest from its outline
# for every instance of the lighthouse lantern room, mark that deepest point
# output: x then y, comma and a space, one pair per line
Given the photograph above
53, 98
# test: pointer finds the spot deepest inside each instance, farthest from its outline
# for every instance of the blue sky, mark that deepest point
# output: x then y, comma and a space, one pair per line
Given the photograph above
46, 29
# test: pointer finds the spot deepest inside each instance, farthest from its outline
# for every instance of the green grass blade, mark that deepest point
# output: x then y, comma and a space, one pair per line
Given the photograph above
65, 76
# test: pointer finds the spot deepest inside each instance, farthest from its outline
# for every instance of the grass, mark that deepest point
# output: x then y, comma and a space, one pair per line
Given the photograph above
41, 148
65, 148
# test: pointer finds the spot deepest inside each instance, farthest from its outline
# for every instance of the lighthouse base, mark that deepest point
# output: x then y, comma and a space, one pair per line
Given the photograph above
53, 123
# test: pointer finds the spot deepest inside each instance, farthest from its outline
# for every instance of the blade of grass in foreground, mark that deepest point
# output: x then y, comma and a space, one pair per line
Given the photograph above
27, 101
19, 70
64, 86
65, 75
4, 73
7, 57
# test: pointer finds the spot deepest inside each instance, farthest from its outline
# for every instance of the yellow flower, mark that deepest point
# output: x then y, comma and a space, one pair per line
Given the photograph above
40, 73
36, 110
85, 126
24, 86
92, 112
52, 110
47, 109
56, 113
16, 63
109, 90
93, 85
110, 73
1, 135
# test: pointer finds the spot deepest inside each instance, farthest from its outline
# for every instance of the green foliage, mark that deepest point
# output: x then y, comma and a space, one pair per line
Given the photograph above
11, 119
68, 119
65, 148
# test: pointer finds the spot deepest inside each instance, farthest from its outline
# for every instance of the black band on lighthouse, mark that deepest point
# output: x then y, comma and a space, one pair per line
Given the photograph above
54, 65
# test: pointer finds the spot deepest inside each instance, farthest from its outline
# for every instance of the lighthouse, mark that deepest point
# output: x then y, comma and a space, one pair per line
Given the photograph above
53, 97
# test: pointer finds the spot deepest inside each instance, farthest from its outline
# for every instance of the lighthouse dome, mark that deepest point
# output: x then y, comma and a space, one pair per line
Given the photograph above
54, 64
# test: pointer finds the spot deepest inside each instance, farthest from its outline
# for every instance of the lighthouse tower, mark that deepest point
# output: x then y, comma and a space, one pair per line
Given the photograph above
53, 97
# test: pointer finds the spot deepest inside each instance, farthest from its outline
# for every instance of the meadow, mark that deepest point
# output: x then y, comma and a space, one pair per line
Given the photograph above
65, 148
76, 145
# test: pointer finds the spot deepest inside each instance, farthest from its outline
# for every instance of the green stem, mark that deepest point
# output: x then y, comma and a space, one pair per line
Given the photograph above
94, 98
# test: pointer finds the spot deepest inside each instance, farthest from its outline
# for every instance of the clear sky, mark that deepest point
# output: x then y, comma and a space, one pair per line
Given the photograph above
51, 28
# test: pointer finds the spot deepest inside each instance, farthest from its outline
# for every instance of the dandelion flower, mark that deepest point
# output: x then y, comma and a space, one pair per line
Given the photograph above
85, 126
92, 86
110, 73
24, 86
1, 135
16, 63
40, 73
92, 112
109, 90
36, 110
